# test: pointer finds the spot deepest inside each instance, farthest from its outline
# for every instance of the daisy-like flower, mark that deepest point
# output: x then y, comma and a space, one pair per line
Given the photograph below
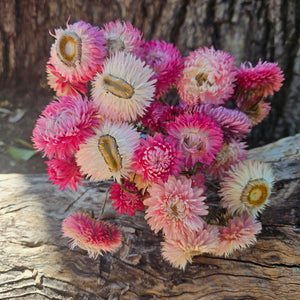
64, 173
109, 152
238, 234
121, 37
181, 250
61, 86
127, 198
124, 89
234, 123
78, 51
230, 154
257, 113
254, 83
246, 187
207, 77
165, 60
94, 236
63, 125
157, 158
175, 207
199, 137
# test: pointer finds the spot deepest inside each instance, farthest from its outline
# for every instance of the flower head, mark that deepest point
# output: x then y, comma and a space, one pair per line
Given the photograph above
109, 152
78, 52
64, 172
238, 234
124, 89
199, 137
127, 197
175, 207
246, 187
63, 125
165, 60
121, 36
157, 158
207, 77
94, 236
179, 251
258, 112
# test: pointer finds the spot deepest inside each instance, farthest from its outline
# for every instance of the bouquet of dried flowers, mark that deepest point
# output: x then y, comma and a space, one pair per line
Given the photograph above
110, 119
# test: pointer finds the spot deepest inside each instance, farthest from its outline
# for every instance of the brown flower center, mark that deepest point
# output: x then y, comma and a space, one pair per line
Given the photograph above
118, 87
202, 78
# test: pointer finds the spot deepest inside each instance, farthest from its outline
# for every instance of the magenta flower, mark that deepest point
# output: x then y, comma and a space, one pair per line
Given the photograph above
207, 77
157, 158
94, 236
125, 201
64, 173
199, 137
175, 207
63, 125
165, 60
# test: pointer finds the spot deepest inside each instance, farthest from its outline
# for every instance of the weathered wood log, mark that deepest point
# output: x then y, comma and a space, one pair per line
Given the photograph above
36, 262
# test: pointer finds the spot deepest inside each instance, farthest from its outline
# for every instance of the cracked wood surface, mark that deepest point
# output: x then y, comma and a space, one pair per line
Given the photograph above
36, 263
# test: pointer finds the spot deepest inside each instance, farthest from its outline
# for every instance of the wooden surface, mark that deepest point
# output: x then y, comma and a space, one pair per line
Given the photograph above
36, 263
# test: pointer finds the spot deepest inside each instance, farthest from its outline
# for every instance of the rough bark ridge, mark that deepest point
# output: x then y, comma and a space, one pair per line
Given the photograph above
36, 263
249, 30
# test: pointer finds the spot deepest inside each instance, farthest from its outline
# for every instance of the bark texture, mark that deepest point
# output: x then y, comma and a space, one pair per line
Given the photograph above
36, 263
248, 29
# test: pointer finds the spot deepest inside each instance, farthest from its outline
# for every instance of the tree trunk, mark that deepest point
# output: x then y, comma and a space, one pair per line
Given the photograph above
249, 30
36, 263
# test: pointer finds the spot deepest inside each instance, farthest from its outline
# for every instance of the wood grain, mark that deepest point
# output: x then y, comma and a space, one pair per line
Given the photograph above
36, 262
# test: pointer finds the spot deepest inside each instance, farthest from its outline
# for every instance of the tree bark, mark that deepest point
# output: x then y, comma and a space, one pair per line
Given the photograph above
249, 30
36, 262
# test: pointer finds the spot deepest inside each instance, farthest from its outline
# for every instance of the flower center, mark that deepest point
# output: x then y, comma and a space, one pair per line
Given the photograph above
114, 45
118, 87
202, 78
194, 143
256, 192
108, 147
68, 48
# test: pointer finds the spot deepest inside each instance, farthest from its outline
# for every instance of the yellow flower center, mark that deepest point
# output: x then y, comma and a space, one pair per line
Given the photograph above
118, 87
256, 192
108, 147
68, 48
202, 78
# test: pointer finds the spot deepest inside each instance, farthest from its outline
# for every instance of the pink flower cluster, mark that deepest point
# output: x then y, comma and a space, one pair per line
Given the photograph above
162, 157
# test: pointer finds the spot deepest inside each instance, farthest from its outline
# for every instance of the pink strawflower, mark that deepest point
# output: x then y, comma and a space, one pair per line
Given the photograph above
230, 154
157, 158
238, 234
234, 123
78, 51
207, 77
64, 173
122, 36
181, 250
63, 125
175, 207
63, 87
254, 83
125, 201
257, 113
165, 59
199, 137
94, 236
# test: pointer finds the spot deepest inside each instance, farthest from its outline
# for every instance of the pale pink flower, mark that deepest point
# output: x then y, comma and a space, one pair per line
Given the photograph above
165, 60
175, 207
238, 234
199, 137
63, 125
207, 77
78, 51
246, 187
127, 198
61, 86
230, 154
65, 173
157, 158
181, 250
94, 236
